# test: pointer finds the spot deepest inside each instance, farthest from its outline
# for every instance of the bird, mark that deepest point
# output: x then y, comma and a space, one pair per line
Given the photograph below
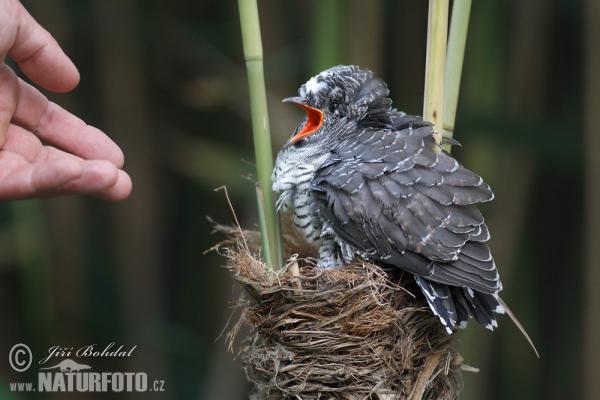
362, 179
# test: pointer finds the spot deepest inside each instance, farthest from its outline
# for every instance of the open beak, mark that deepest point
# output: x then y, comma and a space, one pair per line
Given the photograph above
314, 119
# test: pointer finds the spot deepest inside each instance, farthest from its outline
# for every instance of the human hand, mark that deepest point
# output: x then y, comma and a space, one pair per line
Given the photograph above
78, 158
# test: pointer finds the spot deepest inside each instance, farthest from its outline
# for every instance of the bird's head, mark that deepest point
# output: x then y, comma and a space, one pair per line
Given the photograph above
338, 98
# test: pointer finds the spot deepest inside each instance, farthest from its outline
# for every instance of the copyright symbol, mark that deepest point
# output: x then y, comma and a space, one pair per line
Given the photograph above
20, 357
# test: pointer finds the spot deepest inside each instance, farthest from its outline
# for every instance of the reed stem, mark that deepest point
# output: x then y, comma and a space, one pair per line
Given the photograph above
437, 34
454, 61
253, 53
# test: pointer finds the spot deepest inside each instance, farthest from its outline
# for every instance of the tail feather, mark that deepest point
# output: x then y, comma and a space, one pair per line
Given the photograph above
462, 306
440, 301
518, 324
481, 305
454, 305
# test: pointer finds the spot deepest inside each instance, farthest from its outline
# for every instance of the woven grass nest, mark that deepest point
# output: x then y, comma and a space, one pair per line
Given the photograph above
352, 333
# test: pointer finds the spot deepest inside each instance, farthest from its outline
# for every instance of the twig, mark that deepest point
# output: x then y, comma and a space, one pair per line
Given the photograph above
425, 376
234, 216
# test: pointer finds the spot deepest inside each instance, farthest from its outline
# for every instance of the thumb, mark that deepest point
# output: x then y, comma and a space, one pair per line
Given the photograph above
39, 56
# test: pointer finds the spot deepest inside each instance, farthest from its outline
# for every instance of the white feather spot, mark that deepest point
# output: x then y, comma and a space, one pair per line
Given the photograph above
313, 85
499, 309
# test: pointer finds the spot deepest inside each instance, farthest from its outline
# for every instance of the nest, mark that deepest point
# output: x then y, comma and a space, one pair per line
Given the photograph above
352, 333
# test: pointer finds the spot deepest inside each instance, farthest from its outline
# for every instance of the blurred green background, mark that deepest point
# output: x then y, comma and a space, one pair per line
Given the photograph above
166, 80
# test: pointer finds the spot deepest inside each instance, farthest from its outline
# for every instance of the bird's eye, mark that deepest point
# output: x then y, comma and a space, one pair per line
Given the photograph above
333, 106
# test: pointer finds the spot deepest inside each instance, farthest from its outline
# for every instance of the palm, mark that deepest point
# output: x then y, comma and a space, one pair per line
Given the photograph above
77, 159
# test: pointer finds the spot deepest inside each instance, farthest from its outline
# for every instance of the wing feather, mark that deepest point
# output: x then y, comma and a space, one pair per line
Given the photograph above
389, 195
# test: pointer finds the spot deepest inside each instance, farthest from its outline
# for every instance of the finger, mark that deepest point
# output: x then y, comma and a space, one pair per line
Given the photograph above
31, 148
62, 174
24, 143
57, 126
9, 94
119, 191
96, 175
99, 179
40, 57
21, 180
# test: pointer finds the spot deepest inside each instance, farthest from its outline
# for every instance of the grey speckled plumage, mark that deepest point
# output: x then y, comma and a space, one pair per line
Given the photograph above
366, 180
